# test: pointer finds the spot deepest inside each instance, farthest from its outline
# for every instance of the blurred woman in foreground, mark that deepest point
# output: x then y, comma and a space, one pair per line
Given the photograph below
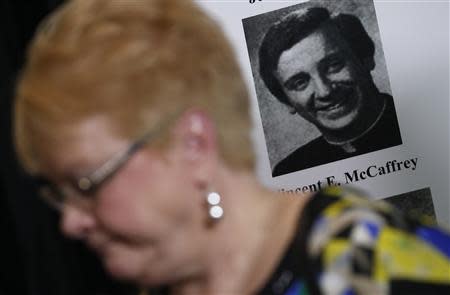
134, 119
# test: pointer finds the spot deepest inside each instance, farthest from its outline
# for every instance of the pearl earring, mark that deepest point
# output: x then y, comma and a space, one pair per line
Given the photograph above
215, 211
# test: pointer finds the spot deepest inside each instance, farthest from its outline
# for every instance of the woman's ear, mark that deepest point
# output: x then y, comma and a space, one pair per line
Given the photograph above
196, 142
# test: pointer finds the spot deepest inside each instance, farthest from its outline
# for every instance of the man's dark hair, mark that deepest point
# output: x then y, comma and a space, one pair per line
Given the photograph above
297, 25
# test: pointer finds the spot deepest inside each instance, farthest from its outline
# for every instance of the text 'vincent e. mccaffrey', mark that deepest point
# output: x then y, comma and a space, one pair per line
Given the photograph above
357, 175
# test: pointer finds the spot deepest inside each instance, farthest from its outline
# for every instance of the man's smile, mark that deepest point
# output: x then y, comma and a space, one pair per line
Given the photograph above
339, 104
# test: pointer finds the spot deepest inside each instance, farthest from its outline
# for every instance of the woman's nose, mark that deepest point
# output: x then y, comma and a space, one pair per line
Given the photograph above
76, 222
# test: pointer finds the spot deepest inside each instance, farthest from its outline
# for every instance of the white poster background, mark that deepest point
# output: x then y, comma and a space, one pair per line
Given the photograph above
415, 38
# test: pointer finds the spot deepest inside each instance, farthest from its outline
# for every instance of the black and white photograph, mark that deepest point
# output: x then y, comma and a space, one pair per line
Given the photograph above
417, 203
321, 83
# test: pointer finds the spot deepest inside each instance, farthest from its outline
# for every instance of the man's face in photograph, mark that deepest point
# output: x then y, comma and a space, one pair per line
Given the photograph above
324, 81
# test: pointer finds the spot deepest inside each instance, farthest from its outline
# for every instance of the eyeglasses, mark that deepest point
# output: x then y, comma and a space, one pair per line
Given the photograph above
85, 187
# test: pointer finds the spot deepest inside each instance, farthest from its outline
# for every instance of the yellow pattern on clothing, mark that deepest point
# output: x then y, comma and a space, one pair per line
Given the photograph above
402, 255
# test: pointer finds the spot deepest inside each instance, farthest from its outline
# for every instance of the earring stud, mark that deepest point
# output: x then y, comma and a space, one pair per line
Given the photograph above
215, 211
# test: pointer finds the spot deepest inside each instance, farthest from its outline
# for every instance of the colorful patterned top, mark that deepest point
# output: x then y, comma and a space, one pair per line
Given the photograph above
347, 244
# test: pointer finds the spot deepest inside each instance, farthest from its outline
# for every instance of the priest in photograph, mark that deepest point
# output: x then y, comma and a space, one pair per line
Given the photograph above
320, 67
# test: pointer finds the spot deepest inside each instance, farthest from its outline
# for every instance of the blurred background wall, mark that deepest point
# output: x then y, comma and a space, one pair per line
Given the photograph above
34, 257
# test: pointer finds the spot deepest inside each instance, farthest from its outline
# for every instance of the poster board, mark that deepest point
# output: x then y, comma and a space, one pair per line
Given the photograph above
412, 64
